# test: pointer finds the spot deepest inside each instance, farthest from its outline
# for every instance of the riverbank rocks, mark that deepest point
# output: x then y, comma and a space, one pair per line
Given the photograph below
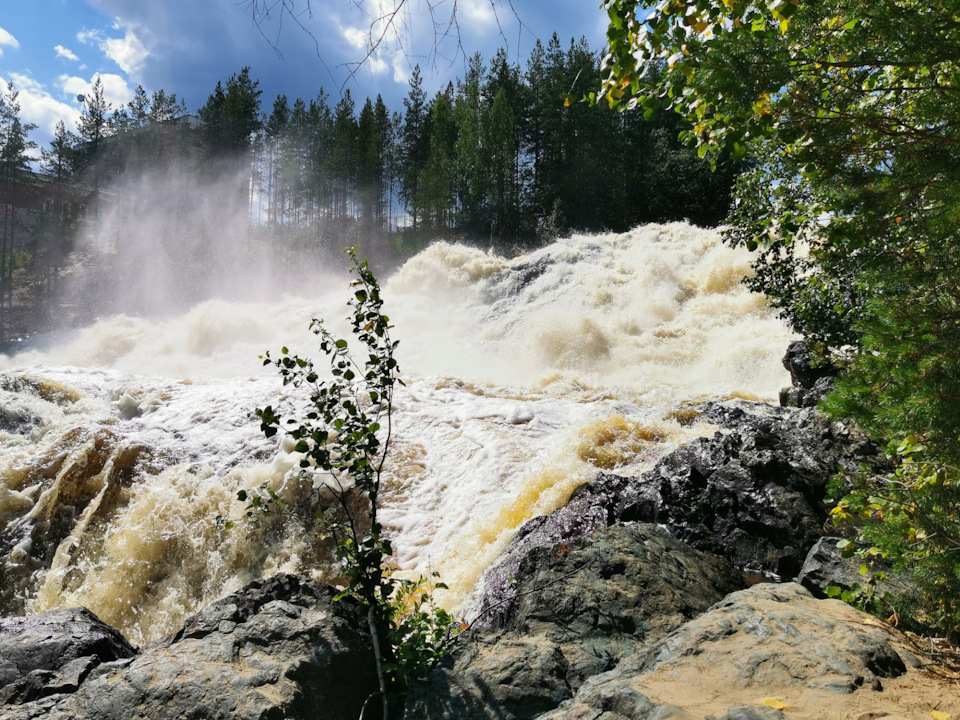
811, 377
752, 494
279, 648
55, 652
580, 609
769, 651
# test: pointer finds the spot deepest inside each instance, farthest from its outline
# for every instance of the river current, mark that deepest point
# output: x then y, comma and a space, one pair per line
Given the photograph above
123, 447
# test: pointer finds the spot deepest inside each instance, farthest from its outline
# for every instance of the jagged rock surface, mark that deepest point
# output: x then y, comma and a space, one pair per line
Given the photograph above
53, 653
804, 368
766, 640
812, 378
825, 566
279, 648
582, 607
753, 495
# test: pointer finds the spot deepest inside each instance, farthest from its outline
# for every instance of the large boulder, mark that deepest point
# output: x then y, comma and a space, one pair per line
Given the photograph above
805, 366
579, 609
755, 653
54, 652
825, 566
812, 377
278, 648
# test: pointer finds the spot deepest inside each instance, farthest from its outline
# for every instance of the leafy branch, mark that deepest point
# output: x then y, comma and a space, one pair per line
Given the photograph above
344, 439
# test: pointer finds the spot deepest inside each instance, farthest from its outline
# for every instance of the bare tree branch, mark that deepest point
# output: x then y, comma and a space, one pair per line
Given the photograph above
390, 27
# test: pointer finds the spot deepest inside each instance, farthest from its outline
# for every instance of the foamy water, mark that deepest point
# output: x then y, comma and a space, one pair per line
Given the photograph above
122, 449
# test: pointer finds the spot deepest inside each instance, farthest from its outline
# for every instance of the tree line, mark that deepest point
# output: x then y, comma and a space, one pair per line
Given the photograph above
500, 157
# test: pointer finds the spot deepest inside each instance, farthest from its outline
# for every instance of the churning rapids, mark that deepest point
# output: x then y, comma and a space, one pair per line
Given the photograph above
121, 448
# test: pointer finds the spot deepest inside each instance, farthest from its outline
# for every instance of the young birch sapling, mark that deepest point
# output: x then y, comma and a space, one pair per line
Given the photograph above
344, 438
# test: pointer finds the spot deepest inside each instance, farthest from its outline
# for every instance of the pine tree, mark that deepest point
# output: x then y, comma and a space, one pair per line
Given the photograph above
15, 184
56, 222
94, 128
275, 140
472, 178
501, 155
414, 145
344, 156
437, 183
387, 136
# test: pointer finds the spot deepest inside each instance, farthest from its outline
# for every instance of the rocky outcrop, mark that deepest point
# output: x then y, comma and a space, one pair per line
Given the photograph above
54, 653
580, 609
752, 494
279, 648
770, 640
811, 377
826, 566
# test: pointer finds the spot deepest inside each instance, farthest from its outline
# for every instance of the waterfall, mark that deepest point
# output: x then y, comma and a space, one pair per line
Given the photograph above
123, 446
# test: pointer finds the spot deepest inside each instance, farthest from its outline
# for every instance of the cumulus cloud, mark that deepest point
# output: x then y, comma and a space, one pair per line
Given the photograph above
356, 37
65, 53
38, 106
116, 91
128, 52
8, 40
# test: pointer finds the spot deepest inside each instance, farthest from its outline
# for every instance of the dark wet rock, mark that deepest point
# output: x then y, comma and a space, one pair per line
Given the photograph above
581, 608
821, 388
812, 377
825, 566
753, 494
520, 276
807, 397
278, 648
805, 367
53, 653
754, 642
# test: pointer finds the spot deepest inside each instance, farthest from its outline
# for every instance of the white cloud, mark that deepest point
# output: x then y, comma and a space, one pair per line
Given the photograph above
39, 107
90, 37
65, 53
377, 65
116, 91
7, 39
480, 12
401, 70
356, 37
128, 52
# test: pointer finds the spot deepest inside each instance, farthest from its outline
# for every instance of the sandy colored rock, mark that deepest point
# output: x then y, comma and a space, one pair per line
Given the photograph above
776, 647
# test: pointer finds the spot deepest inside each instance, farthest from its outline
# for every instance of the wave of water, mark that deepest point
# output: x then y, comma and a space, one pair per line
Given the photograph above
122, 447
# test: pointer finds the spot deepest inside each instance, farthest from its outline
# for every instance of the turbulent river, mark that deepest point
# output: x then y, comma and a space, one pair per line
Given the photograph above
122, 449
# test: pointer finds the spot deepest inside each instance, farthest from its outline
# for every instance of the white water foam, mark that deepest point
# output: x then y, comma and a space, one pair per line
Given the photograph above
524, 377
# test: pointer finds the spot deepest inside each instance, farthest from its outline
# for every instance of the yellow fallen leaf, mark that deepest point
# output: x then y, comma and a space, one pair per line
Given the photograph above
939, 715
775, 703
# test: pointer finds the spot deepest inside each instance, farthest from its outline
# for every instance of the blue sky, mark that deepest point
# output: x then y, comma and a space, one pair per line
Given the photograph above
54, 49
